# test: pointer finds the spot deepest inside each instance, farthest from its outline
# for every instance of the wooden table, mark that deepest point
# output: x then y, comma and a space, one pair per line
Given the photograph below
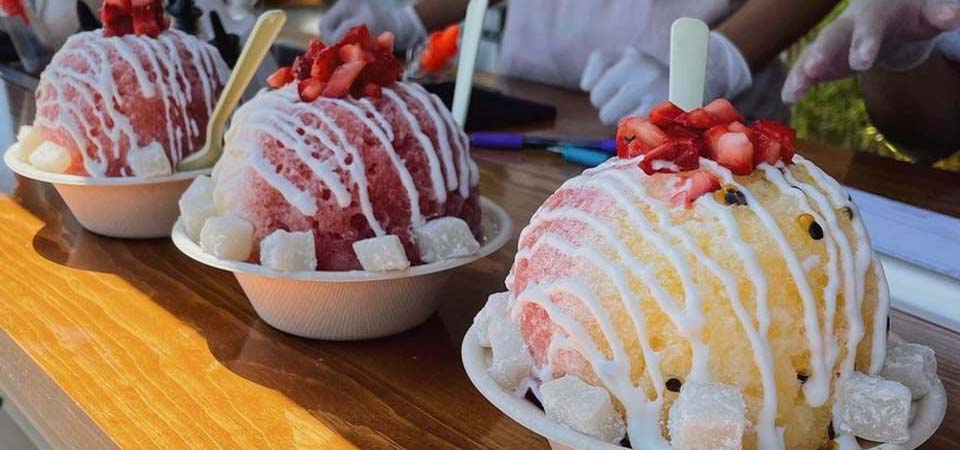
129, 344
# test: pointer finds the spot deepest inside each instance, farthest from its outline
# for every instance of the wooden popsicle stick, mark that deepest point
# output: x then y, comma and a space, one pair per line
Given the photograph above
469, 44
688, 62
264, 32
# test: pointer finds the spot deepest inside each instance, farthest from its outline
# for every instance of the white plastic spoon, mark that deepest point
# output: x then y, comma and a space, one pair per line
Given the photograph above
261, 38
469, 43
688, 62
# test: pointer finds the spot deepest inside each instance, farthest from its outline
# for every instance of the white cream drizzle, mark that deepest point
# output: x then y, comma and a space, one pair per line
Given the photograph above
269, 114
845, 269
159, 58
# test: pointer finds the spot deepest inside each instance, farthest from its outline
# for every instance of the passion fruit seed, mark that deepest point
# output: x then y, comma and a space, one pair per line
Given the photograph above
674, 385
813, 228
847, 211
730, 195
802, 377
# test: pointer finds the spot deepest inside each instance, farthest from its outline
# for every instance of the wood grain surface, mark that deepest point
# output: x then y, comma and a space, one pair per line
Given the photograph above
128, 344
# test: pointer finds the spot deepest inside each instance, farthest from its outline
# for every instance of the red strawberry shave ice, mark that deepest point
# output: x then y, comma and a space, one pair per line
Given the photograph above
105, 98
345, 168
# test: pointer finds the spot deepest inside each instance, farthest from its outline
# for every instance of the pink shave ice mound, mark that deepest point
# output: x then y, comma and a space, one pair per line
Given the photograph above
112, 93
346, 167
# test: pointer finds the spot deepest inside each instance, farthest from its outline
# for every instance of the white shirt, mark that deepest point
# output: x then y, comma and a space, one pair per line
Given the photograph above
549, 41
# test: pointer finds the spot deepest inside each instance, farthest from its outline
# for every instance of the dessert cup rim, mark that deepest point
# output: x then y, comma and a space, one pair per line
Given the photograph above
13, 160
495, 242
926, 419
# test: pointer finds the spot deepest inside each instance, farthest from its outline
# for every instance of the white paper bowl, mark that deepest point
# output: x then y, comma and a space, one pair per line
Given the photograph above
928, 412
349, 305
120, 207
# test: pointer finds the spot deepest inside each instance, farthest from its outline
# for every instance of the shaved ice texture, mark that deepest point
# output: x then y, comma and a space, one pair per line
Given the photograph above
327, 166
105, 97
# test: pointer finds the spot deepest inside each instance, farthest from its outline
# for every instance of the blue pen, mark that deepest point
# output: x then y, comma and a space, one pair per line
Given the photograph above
514, 141
581, 156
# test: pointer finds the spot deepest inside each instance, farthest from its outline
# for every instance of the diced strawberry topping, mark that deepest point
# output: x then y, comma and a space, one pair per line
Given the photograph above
698, 119
665, 114
636, 136
780, 133
343, 78
310, 89
673, 156
735, 152
141, 17
281, 77
386, 41
723, 111
690, 188
15, 8
716, 131
441, 48
358, 65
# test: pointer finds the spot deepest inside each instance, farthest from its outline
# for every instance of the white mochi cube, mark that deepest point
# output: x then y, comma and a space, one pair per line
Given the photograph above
196, 206
50, 157
874, 409
150, 161
381, 254
913, 365
707, 417
445, 238
582, 407
289, 251
29, 139
495, 309
227, 237
511, 360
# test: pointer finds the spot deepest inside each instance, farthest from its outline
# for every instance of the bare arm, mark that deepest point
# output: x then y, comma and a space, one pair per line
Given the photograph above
918, 109
761, 29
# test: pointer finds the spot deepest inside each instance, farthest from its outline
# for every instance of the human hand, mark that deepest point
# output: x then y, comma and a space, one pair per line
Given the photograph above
404, 22
891, 34
627, 82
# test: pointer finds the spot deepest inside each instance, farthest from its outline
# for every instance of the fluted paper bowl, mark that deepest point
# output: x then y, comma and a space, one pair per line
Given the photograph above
120, 207
927, 412
349, 305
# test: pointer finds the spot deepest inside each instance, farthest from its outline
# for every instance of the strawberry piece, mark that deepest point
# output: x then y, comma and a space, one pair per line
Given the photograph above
712, 140
324, 64
351, 53
448, 40
385, 69
723, 111
116, 18
738, 127
280, 78
699, 119
311, 89
636, 136
784, 135
360, 35
690, 188
679, 132
342, 79
735, 152
765, 149
674, 156
14, 8
386, 41
371, 90
665, 114
147, 17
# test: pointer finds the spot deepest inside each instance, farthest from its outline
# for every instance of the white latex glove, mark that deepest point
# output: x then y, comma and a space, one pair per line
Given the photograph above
891, 34
627, 82
345, 14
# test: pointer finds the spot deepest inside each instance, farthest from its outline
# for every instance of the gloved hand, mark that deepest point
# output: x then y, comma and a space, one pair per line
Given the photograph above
345, 14
627, 82
891, 34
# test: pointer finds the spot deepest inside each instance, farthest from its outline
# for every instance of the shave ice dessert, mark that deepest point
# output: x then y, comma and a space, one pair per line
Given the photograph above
339, 166
706, 289
130, 99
